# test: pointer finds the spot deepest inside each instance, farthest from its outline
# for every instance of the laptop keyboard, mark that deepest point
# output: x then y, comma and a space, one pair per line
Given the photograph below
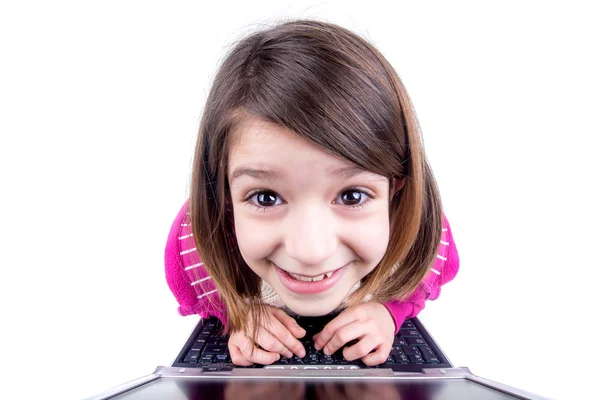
210, 350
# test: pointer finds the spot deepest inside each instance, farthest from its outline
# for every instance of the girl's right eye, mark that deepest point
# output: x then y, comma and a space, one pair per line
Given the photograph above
263, 199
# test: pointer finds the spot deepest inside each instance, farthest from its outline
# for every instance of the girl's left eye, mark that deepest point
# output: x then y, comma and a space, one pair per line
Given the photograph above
350, 198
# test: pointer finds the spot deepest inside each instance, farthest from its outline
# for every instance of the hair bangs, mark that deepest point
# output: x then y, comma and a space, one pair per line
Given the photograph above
330, 94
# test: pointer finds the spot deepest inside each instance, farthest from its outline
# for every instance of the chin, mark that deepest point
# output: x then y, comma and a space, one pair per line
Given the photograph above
312, 310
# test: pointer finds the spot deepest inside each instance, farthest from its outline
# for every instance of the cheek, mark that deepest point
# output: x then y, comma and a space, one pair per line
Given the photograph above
255, 239
371, 241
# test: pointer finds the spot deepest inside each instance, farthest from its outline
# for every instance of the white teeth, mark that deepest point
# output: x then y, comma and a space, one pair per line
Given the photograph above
301, 278
309, 279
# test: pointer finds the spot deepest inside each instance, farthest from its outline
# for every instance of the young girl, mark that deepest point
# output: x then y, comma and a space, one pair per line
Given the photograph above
311, 193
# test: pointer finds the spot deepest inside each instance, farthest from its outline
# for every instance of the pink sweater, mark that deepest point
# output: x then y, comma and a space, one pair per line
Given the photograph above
196, 293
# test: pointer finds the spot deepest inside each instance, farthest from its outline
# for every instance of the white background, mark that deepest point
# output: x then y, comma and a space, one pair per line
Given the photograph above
99, 106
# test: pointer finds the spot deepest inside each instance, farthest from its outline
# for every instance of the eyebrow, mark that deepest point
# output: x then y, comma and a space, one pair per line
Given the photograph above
269, 175
259, 174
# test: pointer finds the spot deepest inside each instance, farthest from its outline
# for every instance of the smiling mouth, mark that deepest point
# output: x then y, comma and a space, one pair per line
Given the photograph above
311, 278
302, 284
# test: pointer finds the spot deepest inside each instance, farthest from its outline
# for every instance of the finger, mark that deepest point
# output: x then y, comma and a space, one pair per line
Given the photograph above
237, 357
362, 348
347, 333
325, 336
270, 342
252, 353
377, 357
283, 333
290, 323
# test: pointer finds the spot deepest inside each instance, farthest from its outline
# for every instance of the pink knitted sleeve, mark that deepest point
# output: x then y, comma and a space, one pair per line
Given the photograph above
191, 285
443, 271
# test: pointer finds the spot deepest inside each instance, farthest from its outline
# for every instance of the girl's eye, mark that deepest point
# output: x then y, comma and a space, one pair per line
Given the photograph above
264, 199
354, 198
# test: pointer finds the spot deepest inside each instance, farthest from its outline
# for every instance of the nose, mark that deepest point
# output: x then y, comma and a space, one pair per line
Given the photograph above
310, 236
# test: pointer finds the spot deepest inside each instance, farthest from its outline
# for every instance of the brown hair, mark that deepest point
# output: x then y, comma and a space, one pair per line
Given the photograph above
334, 89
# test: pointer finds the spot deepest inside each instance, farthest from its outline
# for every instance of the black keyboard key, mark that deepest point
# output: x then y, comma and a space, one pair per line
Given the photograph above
222, 358
429, 356
399, 342
410, 350
415, 341
409, 333
214, 349
312, 328
416, 359
400, 358
201, 340
207, 358
206, 330
296, 360
408, 325
326, 359
196, 347
192, 357
214, 341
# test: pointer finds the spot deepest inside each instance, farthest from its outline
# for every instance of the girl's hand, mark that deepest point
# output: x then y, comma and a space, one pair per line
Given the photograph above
370, 323
278, 337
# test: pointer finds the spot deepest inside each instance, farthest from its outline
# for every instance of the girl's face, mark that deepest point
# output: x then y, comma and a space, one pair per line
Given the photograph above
309, 223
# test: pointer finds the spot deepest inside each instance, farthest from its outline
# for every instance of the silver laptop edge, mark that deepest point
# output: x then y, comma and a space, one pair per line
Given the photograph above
352, 375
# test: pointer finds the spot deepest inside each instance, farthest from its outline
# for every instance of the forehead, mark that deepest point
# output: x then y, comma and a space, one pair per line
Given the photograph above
267, 151
256, 140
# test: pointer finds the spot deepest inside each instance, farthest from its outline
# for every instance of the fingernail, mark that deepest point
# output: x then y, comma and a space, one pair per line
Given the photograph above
317, 347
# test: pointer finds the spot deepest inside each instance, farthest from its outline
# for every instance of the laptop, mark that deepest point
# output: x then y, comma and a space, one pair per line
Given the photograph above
416, 368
